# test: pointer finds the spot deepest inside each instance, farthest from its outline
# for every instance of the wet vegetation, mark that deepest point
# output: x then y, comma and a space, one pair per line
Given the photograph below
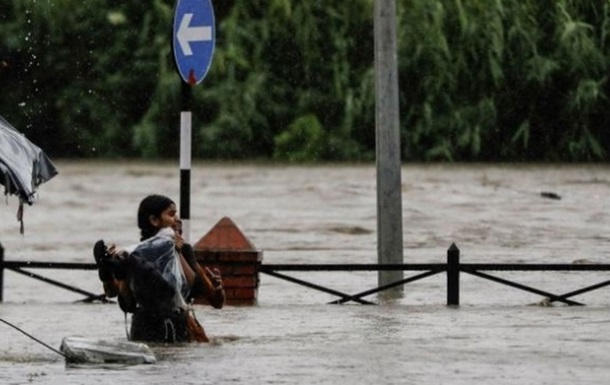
496, 80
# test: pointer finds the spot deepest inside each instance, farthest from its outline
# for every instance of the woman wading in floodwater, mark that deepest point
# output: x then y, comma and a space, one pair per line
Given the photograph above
156, 279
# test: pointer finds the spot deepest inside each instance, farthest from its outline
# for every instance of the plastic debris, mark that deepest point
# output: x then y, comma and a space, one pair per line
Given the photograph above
82, 350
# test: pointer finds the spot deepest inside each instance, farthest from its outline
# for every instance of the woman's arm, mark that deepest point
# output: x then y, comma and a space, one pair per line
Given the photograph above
189, 274
214, 292
206, 283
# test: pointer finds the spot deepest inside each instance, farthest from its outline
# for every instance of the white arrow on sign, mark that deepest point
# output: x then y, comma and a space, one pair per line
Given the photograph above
187, 34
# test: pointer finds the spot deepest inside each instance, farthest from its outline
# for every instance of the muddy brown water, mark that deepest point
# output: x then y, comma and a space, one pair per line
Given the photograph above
327, 214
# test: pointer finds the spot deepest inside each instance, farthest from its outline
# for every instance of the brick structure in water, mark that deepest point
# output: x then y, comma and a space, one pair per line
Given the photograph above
225, 247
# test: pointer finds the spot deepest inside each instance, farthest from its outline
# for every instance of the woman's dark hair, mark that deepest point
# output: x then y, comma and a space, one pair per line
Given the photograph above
151, 205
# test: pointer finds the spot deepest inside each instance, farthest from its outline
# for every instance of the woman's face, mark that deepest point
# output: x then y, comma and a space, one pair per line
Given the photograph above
166, 219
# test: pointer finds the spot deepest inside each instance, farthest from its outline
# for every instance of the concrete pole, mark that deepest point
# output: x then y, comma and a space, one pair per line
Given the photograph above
389, 199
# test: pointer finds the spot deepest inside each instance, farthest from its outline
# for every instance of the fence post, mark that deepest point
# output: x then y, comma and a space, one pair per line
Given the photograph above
1, 272
453, 275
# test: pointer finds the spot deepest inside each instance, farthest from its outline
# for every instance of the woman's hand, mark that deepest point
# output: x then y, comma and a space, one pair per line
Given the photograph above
215, 277
179, 241
216, 293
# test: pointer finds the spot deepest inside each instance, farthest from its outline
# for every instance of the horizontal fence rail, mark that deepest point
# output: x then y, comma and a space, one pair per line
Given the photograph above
19, 266
49, 265
264, 268
453, 268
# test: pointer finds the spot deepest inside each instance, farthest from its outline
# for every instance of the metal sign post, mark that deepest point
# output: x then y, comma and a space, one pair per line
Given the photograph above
193, 44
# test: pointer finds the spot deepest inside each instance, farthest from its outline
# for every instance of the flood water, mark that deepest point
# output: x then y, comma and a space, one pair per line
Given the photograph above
327, 214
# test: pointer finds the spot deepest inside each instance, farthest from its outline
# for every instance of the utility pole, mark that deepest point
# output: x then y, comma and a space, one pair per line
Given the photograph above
388, 161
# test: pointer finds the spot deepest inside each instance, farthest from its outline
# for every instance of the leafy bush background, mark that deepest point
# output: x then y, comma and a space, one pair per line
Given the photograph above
493, 80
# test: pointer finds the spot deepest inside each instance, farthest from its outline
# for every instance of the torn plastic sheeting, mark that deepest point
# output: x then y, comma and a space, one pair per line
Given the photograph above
83, 350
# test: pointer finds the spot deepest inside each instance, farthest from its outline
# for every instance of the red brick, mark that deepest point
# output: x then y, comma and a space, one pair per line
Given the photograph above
243, 293
243, 281
230, 270
240, 256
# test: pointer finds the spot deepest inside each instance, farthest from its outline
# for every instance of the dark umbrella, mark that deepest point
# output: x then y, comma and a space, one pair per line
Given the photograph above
23, 166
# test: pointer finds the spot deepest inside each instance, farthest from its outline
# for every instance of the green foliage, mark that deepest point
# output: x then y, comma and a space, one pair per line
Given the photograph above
84, 71
281, 60
503, 80
303, 141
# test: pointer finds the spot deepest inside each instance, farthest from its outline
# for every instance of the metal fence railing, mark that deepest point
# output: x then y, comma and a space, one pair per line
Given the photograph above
453, 269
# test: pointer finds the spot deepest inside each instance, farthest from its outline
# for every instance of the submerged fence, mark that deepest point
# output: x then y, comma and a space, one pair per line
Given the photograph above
453, 269
18, 267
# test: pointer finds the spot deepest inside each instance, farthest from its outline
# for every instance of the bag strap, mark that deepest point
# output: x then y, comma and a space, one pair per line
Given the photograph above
126, 327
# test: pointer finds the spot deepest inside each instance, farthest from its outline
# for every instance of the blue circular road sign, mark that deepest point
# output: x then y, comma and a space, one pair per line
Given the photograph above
193, 39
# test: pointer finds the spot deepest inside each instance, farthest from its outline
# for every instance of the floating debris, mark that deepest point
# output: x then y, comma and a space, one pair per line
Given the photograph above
81, 350
550, 195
